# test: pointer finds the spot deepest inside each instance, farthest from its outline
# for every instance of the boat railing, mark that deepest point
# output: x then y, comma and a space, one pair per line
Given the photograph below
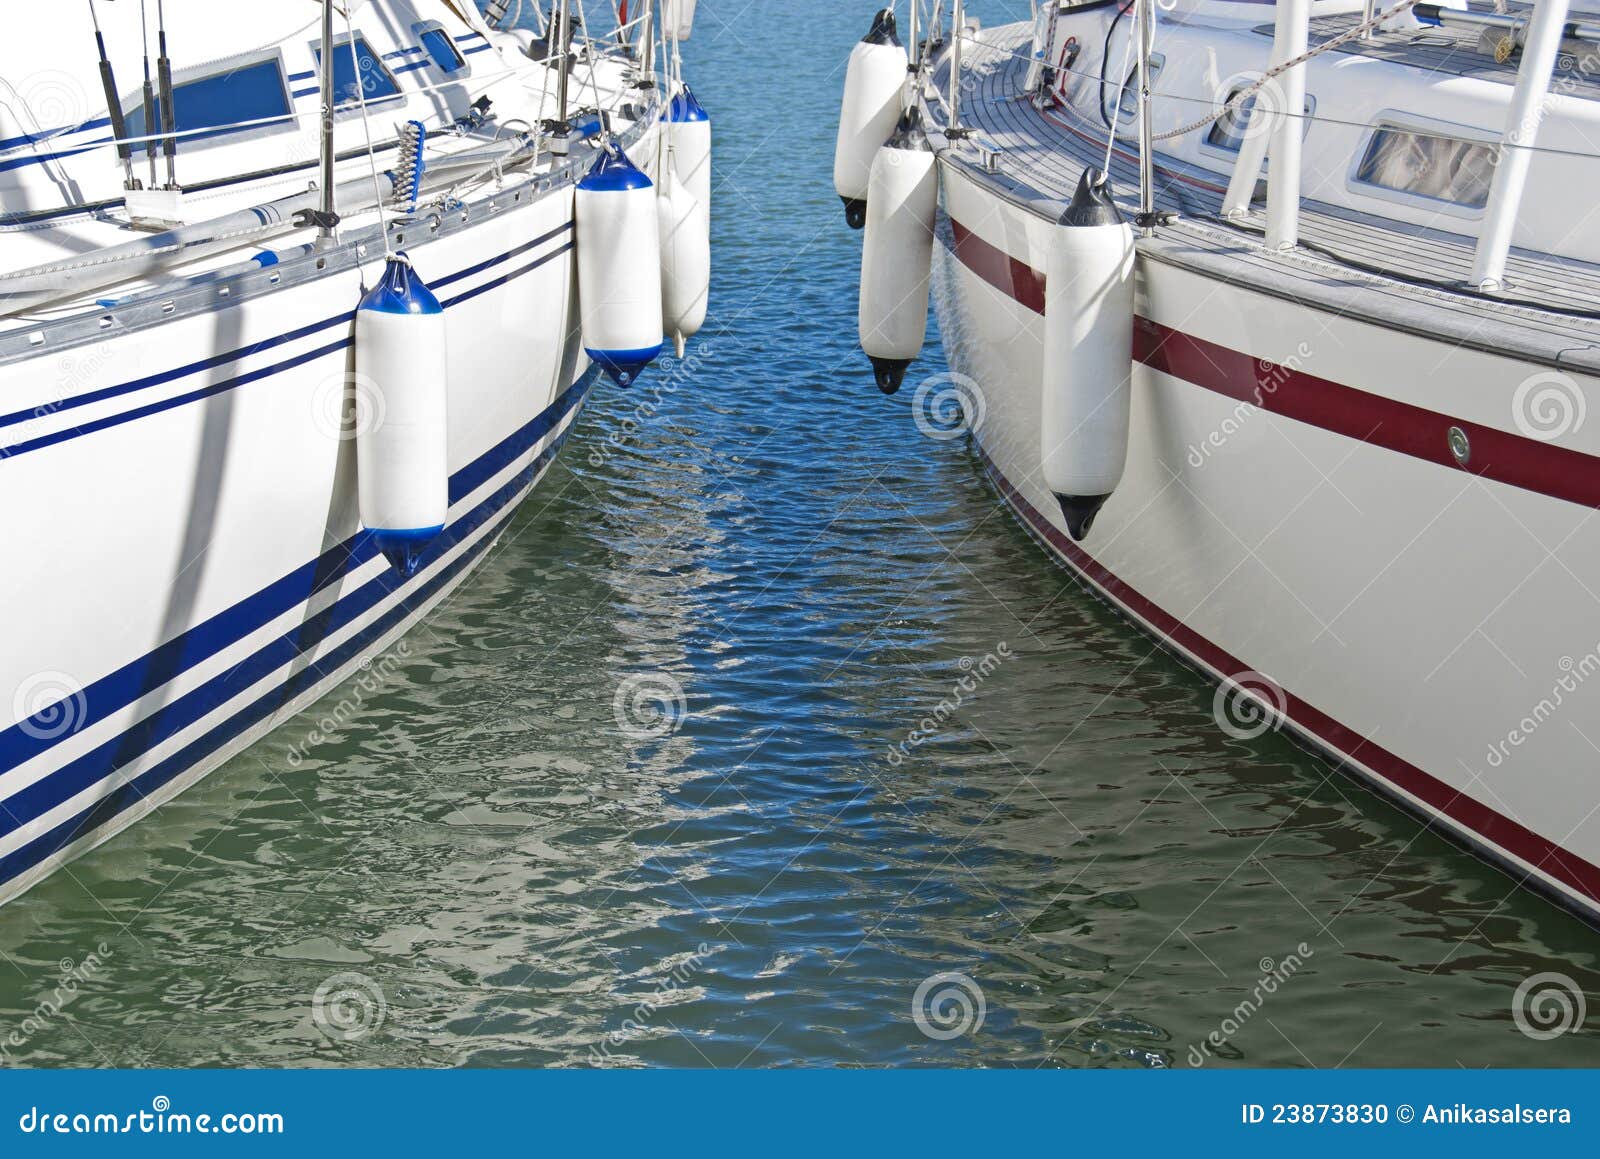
1274, 127
89, 272
483, 83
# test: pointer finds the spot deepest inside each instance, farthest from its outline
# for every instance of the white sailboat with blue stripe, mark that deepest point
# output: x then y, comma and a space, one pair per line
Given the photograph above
272, 382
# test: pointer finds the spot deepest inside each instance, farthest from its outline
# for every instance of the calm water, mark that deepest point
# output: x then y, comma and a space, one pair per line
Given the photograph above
483, 868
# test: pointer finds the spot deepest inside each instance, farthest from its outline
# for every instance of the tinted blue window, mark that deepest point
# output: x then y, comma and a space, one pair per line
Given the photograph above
442, 51
376, 81
252, 92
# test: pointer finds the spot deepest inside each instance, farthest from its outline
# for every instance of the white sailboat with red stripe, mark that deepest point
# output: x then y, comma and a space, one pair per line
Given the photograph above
1357, 479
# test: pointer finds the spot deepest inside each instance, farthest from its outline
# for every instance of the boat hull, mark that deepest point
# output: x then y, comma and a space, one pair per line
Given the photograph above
195, 571
1294, 522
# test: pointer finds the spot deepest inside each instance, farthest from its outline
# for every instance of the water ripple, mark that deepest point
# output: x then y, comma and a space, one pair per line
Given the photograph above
912, 761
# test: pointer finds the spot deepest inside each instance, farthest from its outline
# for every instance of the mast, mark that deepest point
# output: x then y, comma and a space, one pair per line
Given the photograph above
561, 35
327, 217
1147, 182
647, 46
958, 19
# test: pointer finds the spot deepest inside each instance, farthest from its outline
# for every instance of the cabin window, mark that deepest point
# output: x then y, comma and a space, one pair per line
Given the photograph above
358, 75
239, 95
1228, 131
1430, 165
442, 51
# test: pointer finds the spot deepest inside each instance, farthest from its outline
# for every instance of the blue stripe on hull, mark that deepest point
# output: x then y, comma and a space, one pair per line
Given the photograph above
345, 319
123, 687
250, 615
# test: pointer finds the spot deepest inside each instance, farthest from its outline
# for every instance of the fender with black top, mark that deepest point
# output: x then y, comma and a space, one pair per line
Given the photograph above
1088, 347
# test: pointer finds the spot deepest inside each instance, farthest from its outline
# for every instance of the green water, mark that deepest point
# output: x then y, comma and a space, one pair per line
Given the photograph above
481, 866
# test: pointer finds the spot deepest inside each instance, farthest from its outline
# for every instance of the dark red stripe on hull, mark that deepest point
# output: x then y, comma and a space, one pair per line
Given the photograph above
1417, 432
1469, 815
1011, 276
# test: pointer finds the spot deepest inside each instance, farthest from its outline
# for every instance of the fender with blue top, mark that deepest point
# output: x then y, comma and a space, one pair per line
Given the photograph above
400, 408
619, 266
685, 207
689, 130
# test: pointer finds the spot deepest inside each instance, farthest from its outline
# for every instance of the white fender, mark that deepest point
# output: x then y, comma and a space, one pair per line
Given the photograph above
873, 84
685, 257
402, 446
897, 252
1088, 353
689, 129
677, 18
619, 266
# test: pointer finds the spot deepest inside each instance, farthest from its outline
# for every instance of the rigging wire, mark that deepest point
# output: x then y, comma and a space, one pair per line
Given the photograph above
1278, 70
1220, 110
1105, 59
169, 112
366, 125
1134, 33
108, 81
1457, 288
149, 94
